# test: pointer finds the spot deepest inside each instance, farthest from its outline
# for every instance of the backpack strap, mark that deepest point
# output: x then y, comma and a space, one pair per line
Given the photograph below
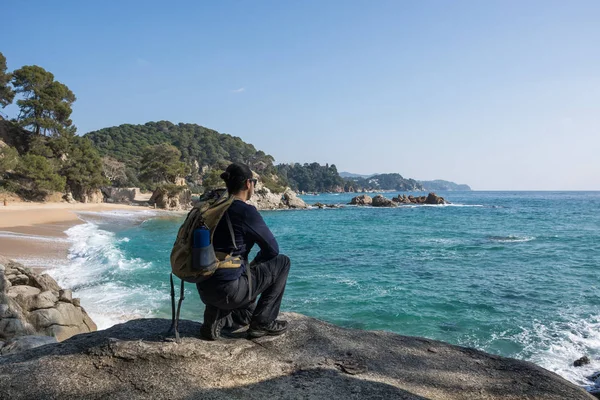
235, 247
230, 229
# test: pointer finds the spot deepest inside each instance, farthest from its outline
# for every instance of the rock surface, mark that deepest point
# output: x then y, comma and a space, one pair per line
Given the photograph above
180, 199
432, 198
120, 195
314, 360
264, 199
89, 196
290, 200
380, 201
362, 200
32, 304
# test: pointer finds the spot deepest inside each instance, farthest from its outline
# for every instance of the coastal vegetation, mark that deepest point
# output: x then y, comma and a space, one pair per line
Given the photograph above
40, 152
193, 152
312, 177
383, 182
441, 185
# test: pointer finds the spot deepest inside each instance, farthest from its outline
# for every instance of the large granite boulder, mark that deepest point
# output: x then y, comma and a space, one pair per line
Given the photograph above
432, 198
119, 195
33, 304
264, 199
22, 343
171, 198
314, 360
290, 200
88, 195
362, 200
380, 201
402, 199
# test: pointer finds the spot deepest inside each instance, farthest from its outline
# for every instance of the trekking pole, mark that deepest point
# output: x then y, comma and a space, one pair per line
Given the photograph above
181, 298
172, 306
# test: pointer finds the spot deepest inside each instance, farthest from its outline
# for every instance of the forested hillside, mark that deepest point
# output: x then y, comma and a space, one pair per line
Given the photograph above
384, 182
441, 185
201, 150
197, 144
312, 177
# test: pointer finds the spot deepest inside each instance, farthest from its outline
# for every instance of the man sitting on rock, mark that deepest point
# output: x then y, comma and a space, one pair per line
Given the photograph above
230, 294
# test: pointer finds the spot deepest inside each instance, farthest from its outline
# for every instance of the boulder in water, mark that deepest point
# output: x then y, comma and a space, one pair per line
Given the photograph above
581, 362
380, 201
362, 200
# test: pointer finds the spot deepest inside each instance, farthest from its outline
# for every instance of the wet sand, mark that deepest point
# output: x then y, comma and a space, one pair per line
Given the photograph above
34, 233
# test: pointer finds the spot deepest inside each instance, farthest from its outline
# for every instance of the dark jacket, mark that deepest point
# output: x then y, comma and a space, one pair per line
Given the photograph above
249, 228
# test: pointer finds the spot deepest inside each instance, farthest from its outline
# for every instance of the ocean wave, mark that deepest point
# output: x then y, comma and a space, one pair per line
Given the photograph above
563, 343
118, 215
100, 274
7, 234
511, 239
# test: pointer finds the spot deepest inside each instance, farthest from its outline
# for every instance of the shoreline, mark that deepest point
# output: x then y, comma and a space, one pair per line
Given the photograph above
34, 233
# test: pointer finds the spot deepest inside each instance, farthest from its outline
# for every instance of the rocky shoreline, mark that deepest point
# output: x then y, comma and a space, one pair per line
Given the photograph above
35, 311
314, 359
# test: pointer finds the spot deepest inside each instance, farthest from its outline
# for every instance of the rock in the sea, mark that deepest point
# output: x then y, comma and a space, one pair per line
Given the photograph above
36, 305
380, 201
313, 360
362, 200
581, 362
290, 200
401, 199
432, 198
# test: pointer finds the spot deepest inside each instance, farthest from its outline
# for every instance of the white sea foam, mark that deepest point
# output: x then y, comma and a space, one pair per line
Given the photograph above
556, 345
100, 274
118, 215
578, 339
511, 239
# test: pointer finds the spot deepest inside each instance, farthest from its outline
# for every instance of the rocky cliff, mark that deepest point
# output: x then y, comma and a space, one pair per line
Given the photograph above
34, 305
264, 199
314, 360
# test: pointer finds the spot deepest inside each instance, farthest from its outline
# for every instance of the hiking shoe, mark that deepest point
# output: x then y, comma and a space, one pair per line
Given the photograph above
275, 328
213, 322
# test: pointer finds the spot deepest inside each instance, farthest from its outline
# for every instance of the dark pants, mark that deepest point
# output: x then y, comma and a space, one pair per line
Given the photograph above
236, 300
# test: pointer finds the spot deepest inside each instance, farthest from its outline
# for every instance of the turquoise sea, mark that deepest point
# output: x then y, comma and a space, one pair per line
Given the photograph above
511, 273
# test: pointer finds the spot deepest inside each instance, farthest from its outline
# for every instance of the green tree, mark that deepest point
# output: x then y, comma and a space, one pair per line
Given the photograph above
41, 172
212, 180
9, 158
6, 93
82, 167
46, 104
161, 164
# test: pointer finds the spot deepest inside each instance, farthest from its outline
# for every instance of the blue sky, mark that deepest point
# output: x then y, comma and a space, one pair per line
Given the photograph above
501, 95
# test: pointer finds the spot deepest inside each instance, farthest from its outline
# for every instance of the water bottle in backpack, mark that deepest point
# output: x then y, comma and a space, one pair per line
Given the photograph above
203, 253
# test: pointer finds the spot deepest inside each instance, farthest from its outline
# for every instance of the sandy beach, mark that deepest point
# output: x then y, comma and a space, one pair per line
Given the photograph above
33, 233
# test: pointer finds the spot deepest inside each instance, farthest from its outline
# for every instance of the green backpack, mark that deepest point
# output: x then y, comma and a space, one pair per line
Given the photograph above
208, 212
